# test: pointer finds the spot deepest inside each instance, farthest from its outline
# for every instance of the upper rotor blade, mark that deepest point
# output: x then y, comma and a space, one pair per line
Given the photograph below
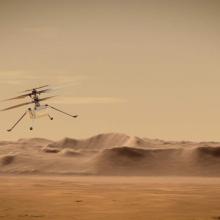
50, 97
18, 97
43, 91
16, 106
26, 95
40, 87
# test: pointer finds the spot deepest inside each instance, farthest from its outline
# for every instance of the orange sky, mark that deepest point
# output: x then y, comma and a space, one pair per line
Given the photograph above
145, 68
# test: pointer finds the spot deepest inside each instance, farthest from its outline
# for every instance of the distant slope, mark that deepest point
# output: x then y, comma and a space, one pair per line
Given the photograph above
110, 154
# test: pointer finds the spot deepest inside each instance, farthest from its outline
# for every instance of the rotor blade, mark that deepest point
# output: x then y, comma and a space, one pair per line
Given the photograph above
40, 87
25, 95
44, 91
18, 97
16, 106
50, 97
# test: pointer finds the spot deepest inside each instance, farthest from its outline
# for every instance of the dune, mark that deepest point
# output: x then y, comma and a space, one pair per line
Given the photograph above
110, 154
3, 143
7, 159
173, 161
50, 150
34, 141
209, 151
69, 152
97, 142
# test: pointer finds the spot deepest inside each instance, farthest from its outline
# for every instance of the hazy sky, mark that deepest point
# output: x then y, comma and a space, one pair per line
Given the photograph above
145, 68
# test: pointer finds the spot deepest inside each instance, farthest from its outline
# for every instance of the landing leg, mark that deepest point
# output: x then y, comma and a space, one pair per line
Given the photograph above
32, 126
17, 122
51, 118
74, 116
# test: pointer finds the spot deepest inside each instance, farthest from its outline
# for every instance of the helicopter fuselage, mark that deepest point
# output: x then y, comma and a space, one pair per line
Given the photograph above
38, 111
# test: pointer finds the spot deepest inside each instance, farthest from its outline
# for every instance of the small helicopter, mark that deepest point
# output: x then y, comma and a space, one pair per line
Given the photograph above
39, 110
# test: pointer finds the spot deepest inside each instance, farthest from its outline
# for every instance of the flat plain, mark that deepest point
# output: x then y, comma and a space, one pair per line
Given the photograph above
109, 198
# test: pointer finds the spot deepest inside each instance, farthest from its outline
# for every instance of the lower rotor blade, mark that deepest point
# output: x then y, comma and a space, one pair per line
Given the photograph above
17, 106
18, 97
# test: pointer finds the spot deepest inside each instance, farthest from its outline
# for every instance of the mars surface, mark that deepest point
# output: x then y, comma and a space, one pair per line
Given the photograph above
112, 198
109, 176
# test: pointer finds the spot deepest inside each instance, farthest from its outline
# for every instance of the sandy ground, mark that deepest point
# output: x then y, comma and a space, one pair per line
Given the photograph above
109, 198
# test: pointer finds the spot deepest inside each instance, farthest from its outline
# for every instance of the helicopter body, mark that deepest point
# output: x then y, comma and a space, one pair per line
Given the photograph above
38, 111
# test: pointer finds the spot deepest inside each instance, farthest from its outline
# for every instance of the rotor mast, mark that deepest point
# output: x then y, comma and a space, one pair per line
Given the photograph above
35, 97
